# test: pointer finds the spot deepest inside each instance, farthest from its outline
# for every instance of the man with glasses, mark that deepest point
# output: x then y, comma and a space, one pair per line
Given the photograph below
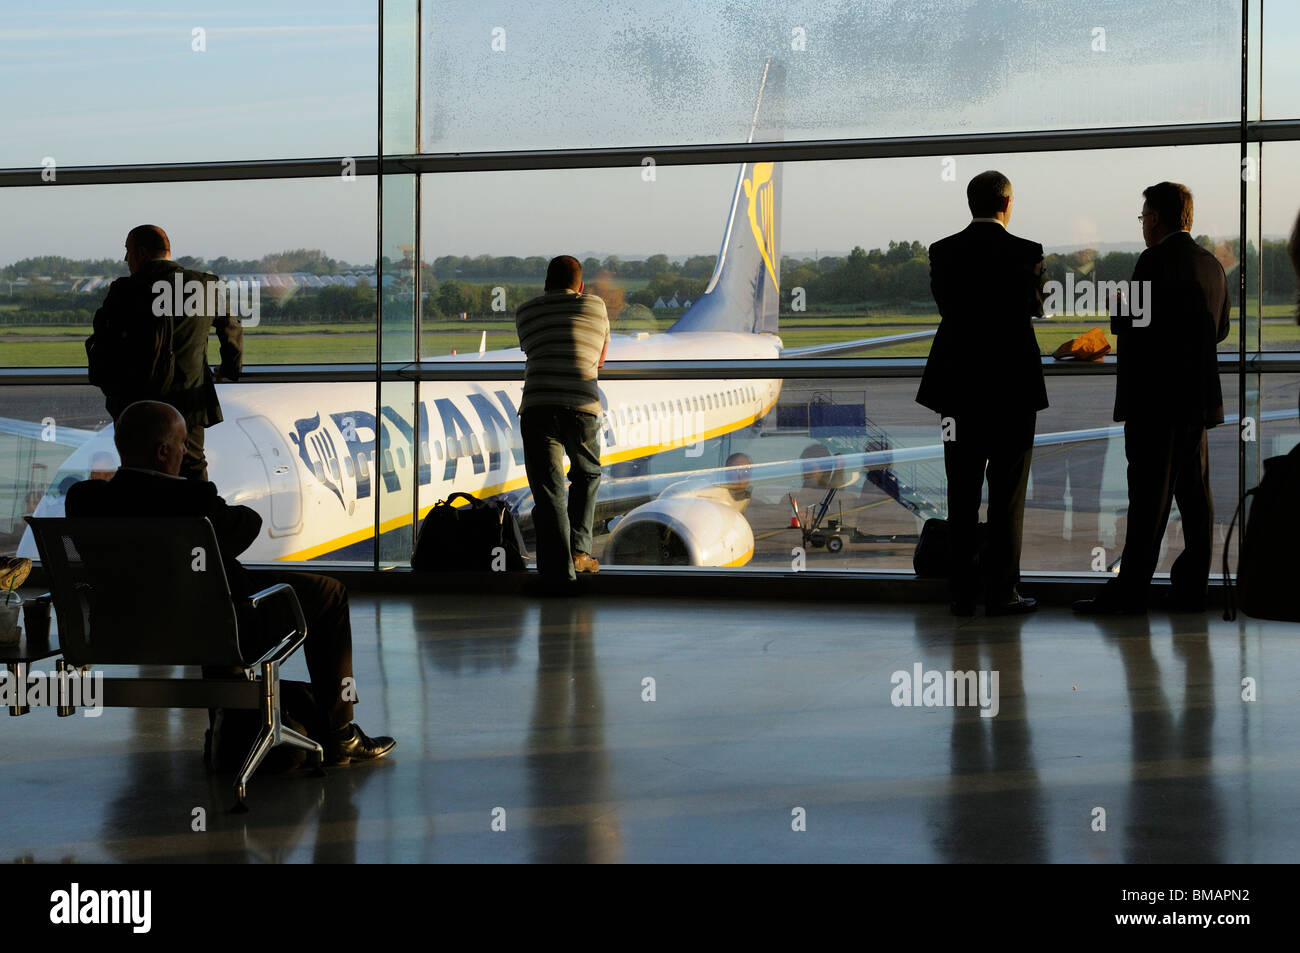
1167, 394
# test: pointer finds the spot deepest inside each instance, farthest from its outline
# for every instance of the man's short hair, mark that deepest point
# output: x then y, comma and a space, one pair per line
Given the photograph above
987, 193
142, 427
563, 272
1172, 202
149, 238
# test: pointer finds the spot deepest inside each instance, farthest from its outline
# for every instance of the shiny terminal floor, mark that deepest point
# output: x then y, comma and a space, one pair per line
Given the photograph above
630, 729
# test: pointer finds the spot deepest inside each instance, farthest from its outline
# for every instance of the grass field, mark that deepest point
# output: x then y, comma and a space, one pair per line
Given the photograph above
55, 346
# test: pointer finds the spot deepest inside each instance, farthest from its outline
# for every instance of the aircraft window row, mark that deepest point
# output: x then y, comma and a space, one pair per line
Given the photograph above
638, 414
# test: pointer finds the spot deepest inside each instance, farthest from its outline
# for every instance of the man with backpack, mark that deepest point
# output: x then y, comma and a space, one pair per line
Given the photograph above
150, 343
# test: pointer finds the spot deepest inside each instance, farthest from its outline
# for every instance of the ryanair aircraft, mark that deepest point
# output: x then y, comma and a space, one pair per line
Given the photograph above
313, 459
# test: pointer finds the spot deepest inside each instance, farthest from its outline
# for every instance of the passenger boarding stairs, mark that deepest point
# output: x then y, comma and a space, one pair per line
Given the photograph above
920, 488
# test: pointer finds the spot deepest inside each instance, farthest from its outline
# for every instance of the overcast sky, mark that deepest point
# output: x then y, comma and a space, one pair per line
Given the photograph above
111, 82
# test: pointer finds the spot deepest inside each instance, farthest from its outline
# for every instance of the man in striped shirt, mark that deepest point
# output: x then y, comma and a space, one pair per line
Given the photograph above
565, 335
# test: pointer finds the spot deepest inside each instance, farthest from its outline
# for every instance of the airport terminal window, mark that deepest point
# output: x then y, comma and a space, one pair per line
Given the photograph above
322, 104
300, 253
853, 238
881, 70
854, 262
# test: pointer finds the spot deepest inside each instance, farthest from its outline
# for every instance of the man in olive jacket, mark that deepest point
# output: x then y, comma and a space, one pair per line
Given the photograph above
128, 362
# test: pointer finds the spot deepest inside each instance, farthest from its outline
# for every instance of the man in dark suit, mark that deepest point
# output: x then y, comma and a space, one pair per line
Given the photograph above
150, 438
1167, 394
984, 376
121, 351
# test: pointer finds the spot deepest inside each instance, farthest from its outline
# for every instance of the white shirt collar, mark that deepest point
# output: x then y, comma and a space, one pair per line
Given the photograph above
997, 220
1172, 234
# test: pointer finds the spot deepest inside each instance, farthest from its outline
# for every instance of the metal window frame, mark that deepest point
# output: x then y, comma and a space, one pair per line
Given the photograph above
812, 150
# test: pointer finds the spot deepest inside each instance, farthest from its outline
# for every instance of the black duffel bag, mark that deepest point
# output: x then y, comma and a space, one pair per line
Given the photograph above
933, 554
1268, 564
481, 536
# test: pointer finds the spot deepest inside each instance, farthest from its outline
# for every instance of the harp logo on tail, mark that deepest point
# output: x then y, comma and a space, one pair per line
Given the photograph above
762, 219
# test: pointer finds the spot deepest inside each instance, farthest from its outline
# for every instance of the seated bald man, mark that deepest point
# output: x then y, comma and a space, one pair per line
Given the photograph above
150, 438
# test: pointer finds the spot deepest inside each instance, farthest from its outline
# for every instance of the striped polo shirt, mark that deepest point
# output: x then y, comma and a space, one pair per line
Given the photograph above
562, 334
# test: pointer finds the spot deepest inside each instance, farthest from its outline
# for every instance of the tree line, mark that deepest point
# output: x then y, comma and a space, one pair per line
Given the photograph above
896, 277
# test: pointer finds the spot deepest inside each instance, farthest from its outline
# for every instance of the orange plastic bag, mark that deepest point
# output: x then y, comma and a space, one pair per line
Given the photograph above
1091, 346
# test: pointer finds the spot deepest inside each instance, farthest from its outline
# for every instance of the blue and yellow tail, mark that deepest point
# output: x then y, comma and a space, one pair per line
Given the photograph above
744, 292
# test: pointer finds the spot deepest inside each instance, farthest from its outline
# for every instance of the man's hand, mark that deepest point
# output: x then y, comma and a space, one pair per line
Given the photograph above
220, 380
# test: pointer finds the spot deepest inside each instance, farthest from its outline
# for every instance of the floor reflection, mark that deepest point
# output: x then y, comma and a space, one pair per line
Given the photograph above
1174, 813
993, 810
574, 820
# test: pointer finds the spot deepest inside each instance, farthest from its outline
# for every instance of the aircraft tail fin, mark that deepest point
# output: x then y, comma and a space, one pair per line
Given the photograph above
744, 292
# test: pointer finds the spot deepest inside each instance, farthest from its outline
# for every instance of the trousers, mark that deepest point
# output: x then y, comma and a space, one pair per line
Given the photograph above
563, 526
1167, 463
999, 448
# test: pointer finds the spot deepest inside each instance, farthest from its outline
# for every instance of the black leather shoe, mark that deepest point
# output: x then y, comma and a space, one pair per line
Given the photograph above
1016, 605
961, 607
356, 745
1103, 606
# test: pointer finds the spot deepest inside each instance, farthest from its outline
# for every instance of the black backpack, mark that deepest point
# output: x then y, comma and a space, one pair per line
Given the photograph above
1268, 563
137, 360
469, 538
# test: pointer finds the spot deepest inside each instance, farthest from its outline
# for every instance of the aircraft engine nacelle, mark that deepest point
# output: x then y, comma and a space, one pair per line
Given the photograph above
681, 531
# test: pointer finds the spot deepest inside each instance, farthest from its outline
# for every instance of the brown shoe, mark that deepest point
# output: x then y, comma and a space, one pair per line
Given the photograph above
585, 562
14, 571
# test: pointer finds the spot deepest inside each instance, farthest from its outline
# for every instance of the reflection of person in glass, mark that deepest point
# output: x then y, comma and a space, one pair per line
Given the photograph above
984, 376
1167, 394
565, 335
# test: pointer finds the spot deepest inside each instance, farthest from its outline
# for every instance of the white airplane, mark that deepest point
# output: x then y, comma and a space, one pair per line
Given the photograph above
310, 458
305, 456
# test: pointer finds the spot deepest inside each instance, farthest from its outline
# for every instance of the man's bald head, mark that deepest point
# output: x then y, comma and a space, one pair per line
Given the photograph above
144, 243
150, 435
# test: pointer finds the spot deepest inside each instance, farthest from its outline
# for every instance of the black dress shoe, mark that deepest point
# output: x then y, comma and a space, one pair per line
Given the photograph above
1017, 605
356, 745
1104, 606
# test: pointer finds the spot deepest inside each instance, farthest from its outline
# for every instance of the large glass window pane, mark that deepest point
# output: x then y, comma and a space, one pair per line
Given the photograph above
689, 72
306, 245
852, 239
89, 82
1281, 70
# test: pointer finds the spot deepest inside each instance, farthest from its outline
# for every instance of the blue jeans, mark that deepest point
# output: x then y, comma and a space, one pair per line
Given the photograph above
562, 529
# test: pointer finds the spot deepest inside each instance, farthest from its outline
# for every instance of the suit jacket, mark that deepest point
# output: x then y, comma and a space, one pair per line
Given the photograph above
1169, 369
193, 391
984, 359
145, 493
